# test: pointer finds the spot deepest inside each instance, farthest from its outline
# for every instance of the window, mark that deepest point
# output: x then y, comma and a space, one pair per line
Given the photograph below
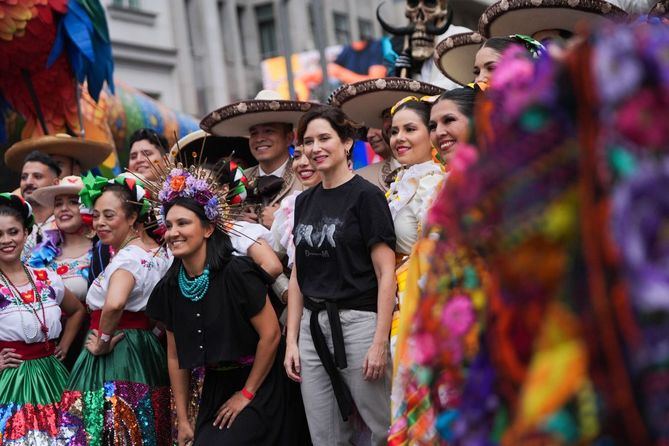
341, 28
266, 30
132, 4
366, 29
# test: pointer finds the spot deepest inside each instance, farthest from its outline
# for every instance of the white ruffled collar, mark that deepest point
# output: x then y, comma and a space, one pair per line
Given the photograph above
403, 189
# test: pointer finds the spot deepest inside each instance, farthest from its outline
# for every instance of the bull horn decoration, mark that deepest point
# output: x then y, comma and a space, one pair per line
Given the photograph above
397, 31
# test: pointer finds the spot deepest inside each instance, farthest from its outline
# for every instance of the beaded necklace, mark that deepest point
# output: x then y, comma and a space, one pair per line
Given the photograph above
193, 289
16, 295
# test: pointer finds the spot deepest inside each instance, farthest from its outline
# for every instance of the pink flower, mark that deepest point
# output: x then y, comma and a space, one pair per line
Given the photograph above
644, 119
458, 316
424, 348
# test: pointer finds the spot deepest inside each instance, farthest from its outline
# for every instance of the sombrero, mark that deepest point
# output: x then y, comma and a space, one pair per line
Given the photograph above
454, 56
661, 9
267, 107
86, 152
70, 185
365, 101
211, 148
531, 16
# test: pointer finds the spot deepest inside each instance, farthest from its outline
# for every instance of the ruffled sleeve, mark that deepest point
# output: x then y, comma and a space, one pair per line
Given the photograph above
428, 187
246, 234
282, 228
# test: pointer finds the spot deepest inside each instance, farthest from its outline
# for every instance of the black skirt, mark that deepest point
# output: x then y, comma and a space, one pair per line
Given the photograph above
275, 416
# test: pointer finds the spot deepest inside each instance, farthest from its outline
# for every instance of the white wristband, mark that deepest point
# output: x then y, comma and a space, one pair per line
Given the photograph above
104, 337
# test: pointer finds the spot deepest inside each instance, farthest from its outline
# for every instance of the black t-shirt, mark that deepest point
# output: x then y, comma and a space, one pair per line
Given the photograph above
334, 232
216, 328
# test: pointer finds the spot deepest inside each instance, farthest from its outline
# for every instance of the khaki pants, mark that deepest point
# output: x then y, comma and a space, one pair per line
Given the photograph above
372, 398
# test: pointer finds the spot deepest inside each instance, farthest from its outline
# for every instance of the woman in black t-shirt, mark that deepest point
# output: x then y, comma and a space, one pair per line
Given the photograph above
342, 289
217, 315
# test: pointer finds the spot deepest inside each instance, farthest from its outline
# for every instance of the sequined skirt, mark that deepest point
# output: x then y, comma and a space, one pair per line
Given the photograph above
122, 398
30, 404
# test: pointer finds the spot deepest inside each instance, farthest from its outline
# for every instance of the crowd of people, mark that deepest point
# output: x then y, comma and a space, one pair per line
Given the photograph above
499, 277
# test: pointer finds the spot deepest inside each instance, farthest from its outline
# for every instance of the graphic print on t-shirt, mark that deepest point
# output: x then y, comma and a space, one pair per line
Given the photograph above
318, 238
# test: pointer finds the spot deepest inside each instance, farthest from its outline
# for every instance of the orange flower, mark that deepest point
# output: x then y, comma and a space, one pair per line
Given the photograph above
178, 183
40, 274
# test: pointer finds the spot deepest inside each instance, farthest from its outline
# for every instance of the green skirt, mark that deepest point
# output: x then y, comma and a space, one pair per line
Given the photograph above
30, 398
123, 397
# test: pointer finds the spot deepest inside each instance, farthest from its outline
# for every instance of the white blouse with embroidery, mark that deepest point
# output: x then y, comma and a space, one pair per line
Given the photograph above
20, 316
147, 267
409, 198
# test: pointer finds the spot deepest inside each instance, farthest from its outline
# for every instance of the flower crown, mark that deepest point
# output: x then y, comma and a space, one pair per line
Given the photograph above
221, 202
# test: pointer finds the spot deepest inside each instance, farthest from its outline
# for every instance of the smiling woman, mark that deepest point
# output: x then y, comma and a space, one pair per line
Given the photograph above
32, 302
215, 308
343, 222
121, 374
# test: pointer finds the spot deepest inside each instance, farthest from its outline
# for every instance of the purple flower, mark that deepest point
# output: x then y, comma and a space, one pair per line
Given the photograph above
640, 218
211, 208
616, 66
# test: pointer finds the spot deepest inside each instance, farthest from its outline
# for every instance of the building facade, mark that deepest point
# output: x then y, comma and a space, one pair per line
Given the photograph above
196, 55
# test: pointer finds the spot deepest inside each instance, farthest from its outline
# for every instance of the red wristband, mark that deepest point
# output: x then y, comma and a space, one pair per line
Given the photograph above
248, 395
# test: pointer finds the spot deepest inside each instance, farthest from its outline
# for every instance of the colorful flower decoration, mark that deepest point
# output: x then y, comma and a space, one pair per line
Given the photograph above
94, 187
181, 182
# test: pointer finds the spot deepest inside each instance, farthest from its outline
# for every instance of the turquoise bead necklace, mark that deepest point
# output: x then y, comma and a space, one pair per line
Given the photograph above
193, 289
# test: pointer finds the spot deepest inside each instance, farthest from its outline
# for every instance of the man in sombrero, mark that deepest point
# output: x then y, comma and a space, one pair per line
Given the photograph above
42, 161
268, 122
368, 103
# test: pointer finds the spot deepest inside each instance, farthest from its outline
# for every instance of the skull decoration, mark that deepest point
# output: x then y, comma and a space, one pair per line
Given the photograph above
427, 19
426, 15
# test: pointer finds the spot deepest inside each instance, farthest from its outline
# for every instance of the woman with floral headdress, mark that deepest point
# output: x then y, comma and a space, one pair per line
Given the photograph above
215, 308
118, 391
31, 304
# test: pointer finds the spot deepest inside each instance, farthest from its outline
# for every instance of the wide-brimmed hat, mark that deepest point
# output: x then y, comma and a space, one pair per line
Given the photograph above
70, 185
267, 107
531, 16
661, 9
454, 56
200, 144
86, 152
365, 101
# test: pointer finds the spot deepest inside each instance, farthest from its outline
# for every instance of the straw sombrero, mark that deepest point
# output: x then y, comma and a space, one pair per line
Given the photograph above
86, 152
365, 101
70, 185
455, 55
531, 16
211, 148
267, 107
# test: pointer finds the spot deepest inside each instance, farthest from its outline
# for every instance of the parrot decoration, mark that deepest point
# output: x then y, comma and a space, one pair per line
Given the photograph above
56, 76
48, 48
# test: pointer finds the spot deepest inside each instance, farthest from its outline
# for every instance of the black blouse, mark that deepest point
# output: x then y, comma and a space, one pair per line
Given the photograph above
217, 328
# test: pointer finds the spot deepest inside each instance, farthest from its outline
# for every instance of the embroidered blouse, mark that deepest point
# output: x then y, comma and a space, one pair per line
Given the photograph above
20, 315
147, 267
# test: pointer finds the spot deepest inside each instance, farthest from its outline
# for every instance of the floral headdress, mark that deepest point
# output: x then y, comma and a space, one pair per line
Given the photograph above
221, 202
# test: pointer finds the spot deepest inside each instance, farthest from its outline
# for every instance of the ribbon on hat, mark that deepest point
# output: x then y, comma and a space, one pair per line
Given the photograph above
535, 47
93, 186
